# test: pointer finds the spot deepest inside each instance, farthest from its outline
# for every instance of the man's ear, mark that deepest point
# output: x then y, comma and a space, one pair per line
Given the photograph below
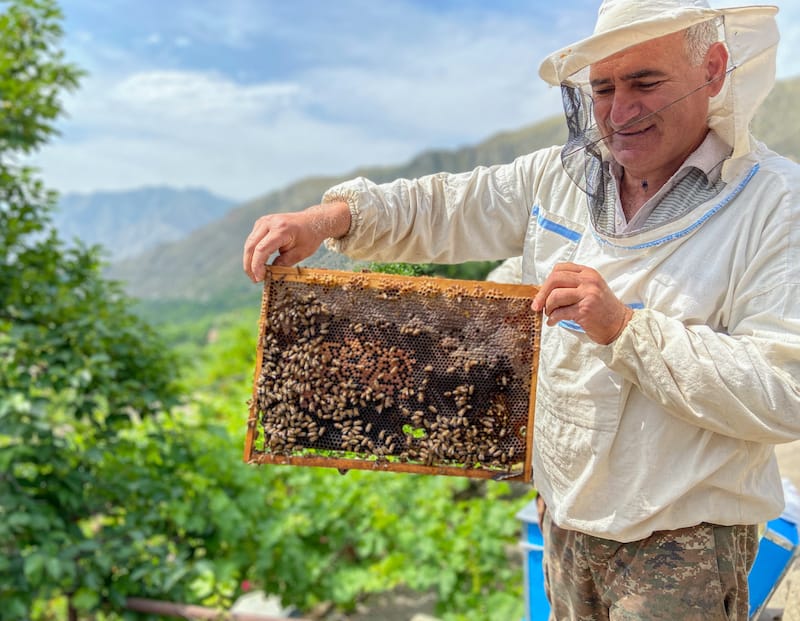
716, 63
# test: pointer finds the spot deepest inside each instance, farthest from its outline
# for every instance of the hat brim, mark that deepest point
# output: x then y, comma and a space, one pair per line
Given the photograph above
562, 64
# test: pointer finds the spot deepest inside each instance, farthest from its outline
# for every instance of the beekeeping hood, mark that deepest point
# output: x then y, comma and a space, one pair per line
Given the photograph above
750, 34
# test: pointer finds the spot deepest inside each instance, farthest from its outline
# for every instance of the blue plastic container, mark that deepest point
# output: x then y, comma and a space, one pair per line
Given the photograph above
537, 608
776, 551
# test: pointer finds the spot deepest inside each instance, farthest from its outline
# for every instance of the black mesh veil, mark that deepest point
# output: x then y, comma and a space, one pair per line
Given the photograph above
590, 165
583, 155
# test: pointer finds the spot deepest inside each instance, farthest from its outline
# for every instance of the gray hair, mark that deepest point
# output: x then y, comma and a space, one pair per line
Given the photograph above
699, 38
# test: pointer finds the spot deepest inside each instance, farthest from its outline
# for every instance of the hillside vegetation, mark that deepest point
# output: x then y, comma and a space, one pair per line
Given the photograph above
206, 265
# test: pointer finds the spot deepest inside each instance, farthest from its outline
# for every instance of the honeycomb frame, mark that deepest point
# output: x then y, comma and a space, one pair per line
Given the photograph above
372, 371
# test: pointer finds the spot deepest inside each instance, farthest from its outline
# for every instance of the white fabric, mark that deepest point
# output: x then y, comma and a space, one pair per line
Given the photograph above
674, 423
509, 271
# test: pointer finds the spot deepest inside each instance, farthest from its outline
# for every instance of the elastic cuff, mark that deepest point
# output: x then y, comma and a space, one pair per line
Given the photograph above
351, 198
620, 348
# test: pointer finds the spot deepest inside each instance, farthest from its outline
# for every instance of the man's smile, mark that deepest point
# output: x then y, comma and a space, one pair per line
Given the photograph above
628, 133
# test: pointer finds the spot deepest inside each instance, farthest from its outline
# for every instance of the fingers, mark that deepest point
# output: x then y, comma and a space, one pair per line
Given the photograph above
268, 236
289, 258
563, 275
580, 294
296, 236
250, 246
559, 304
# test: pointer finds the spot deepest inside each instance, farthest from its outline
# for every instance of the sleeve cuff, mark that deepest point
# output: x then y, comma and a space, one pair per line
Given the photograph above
335, 195
617, 354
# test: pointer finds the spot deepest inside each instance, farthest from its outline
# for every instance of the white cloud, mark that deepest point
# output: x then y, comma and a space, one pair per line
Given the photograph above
188, 98
188, 129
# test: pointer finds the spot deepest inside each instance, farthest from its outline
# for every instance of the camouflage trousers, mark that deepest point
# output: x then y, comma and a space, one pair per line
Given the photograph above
697, 573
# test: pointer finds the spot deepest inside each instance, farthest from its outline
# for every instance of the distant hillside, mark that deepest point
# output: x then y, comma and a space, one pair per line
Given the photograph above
778, 120
130, 222
207, 263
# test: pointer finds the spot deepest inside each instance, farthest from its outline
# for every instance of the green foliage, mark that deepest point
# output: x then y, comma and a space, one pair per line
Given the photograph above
32, 74
82, 380
403, 269
192, 321
472, 270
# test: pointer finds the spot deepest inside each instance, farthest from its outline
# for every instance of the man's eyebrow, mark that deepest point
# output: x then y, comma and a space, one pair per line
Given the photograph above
635, 75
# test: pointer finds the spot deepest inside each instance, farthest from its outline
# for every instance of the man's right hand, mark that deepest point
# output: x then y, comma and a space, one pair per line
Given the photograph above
294, 236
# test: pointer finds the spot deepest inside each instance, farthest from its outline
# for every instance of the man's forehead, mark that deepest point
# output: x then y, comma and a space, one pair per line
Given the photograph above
657, 55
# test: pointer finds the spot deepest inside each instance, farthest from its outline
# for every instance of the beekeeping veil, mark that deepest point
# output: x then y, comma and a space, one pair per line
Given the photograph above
751, 36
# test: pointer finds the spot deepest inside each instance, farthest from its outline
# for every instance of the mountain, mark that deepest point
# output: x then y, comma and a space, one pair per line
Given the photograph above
127, 223
207, 264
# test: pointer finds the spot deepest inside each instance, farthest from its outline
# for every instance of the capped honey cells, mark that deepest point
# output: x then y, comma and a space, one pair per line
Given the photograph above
409, 374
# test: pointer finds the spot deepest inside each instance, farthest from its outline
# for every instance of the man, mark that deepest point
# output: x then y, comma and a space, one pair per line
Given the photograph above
666, 244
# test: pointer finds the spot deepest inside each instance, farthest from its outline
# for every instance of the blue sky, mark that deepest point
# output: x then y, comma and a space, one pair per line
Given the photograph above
242, 97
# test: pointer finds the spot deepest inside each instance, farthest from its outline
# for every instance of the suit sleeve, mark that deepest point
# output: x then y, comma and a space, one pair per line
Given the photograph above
441, 218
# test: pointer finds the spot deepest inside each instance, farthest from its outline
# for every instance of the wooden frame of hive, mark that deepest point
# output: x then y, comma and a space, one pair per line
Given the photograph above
363, 370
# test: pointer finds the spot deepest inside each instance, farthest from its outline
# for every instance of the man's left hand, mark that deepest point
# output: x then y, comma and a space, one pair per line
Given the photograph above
578, 293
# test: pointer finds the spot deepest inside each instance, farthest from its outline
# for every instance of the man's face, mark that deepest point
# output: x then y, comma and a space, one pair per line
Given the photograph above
644, 79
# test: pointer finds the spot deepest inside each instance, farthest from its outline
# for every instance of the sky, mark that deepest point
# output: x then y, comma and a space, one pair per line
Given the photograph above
243, 97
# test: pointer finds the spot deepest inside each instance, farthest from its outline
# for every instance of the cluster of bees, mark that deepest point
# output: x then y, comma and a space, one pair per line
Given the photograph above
363, 384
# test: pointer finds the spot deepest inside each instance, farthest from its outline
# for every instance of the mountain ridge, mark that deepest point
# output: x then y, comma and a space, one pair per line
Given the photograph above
129, 222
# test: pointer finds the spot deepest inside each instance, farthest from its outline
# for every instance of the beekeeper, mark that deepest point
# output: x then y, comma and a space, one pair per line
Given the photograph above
666, 243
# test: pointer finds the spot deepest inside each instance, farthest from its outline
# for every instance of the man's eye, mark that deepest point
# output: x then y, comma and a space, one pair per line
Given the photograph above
599, 92
647, 85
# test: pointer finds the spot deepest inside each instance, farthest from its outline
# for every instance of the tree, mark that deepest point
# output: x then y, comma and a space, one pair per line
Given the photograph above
77, 368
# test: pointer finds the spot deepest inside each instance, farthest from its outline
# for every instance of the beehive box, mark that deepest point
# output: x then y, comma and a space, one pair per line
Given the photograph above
385, 372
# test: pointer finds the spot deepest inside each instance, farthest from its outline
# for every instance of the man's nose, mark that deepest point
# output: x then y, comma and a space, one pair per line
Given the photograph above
625, 109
